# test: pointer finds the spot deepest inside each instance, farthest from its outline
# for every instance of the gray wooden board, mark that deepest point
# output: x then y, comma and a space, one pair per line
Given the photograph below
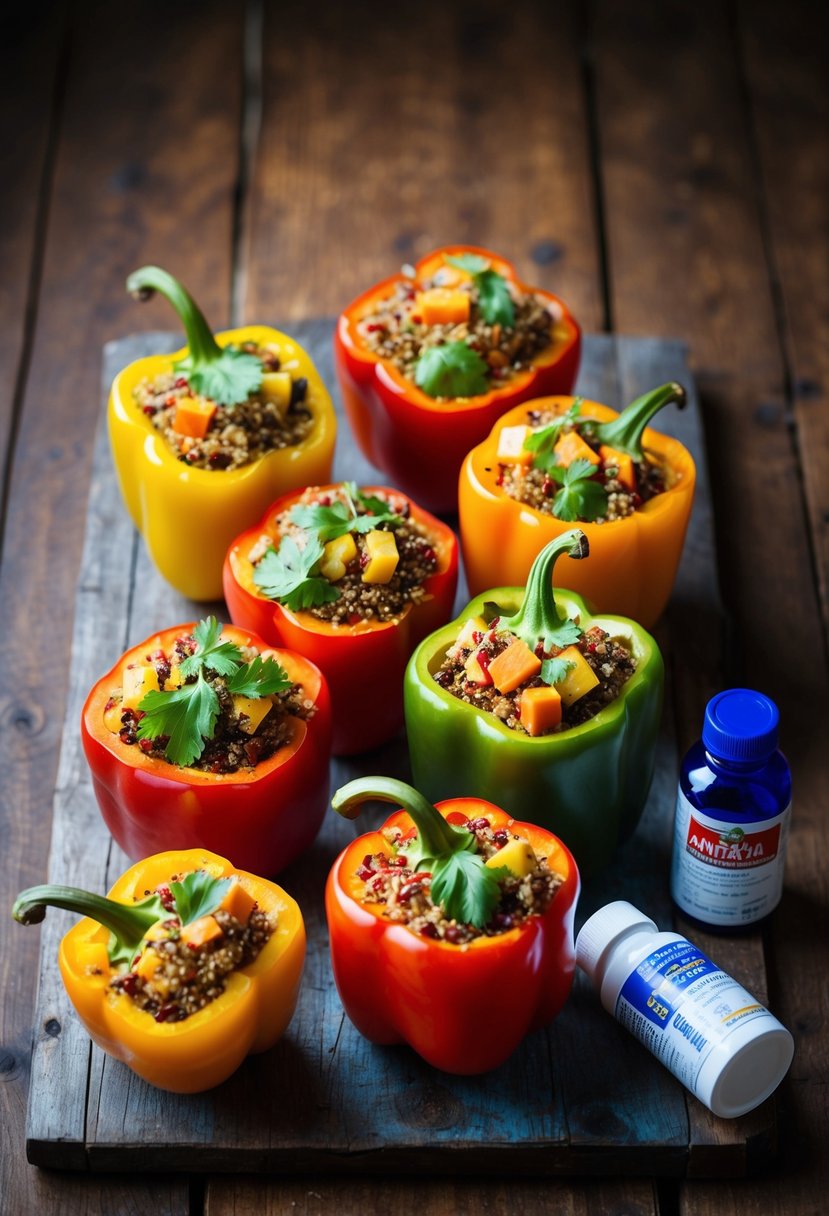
580, 1096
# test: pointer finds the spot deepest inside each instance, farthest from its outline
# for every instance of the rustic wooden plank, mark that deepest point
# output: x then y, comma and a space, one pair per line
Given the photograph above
356, 1197
477, 133
687, 256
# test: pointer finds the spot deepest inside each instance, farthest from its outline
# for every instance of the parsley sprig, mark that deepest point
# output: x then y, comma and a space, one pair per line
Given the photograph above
542, 441
451, 370
466, 888
580, 497
187, 715
494, 299
341, 517
198, 894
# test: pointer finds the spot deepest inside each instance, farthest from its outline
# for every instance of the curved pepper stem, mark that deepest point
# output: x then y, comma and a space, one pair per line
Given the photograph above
437, 838
145, 282
538, 617
625, 432
128, 923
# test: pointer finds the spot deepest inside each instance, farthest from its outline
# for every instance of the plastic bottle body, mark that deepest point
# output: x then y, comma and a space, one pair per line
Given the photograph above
700, 1023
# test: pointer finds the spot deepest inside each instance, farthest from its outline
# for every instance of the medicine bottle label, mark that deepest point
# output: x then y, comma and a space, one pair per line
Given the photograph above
681, 1006
724, 873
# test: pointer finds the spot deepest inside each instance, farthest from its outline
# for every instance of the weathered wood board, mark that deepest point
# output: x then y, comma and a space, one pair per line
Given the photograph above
578, 1097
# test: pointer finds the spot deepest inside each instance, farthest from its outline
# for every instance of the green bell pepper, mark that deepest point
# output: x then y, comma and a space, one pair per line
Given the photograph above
588, 784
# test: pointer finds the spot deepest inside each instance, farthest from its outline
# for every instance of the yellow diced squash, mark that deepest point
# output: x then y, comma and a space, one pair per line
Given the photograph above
517, 855
137, 681
174, 680
251, 712
276, 387
148, 964
383, 557
336, 555
580, 679
113, 712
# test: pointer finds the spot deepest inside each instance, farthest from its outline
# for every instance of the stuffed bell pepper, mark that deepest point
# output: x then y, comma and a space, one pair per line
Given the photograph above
203, 737
188, 966
428, 359
352, 578
205, 438
528, 699
451, 927
563, 460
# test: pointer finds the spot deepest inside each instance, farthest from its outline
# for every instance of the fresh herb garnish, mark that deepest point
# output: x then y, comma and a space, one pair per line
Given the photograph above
451, 370
494, 299
553, 671
287, 574
341, 517
580, 497
198, 894
223, 374
542, 441
188, 715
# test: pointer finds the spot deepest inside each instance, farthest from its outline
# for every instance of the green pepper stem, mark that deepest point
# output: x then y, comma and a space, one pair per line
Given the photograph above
202, 345
437, 837
625, 432
128, 923
538, 615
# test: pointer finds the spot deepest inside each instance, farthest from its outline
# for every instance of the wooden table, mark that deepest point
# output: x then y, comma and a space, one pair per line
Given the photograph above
663, 168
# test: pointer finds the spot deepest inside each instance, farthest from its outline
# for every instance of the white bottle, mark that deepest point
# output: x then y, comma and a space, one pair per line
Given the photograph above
704, 1026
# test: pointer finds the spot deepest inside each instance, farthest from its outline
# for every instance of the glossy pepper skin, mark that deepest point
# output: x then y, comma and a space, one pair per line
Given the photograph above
262, 818
203, 1050
189, 516
588, 784
420, 442
463, 1009
369, 657
633, 560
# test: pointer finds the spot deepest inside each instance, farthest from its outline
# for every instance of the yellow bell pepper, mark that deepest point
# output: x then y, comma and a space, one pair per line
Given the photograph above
205, 1048
188, 516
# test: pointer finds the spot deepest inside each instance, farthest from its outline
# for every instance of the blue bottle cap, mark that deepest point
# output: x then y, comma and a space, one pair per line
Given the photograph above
740, 725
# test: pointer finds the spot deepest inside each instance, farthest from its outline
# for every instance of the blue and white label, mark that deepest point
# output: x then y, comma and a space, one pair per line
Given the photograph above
681, 1006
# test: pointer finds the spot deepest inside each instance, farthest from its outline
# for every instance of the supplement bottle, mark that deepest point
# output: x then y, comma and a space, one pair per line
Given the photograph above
699, 1022
732, 815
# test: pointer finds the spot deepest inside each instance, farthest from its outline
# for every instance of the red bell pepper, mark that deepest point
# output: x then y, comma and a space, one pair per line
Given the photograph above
363, 663
418, 441
260, 818
464, 1009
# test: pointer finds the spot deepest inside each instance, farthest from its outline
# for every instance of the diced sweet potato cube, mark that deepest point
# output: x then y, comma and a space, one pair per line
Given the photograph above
193, 416
540, 709
579, 679
623, 462
383, 557
517, 855
277, 387
136, 682
571, 446
443, 306
477, 669
238, 902
251, 712
511, 448
514, 666
336, 555
205, 929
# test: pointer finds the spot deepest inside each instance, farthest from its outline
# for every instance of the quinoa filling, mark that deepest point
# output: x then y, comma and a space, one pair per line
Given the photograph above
366, 573
277, 416
405, 895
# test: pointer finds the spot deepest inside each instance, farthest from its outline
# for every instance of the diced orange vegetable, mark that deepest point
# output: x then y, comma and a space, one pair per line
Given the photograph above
443, 306
476, 672
148, 964
514, 666
193, 416
623, 462
238, 902
579, 680
205, 929
540, 709
572, 447
511, 448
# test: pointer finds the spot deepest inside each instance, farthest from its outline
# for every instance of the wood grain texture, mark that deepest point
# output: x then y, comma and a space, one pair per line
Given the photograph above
385, 135
134, 149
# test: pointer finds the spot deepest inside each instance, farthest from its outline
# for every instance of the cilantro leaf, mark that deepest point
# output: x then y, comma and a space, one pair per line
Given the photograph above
259, 678
221, 657
228, 379
198, 894
472, 263
187, 715
286, 575
564, 634
542, 441
579, 497
327, 522
553, 671
451, 370
378, 507
466, 888
494, 299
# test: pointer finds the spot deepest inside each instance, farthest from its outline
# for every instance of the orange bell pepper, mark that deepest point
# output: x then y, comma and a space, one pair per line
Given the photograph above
417, 440
633, 560
205, 1048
